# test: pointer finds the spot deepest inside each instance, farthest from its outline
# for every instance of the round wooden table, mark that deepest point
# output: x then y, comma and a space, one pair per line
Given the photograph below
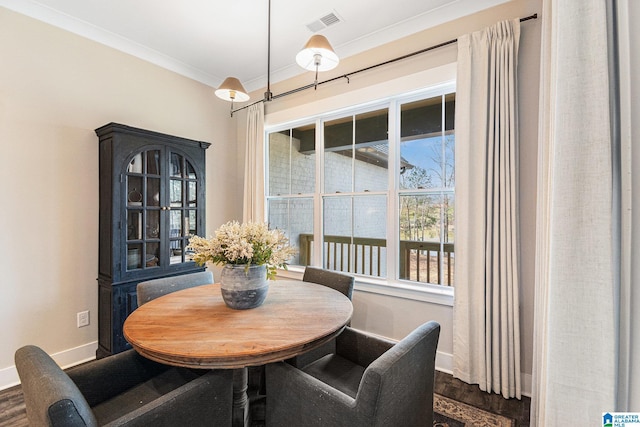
194, 328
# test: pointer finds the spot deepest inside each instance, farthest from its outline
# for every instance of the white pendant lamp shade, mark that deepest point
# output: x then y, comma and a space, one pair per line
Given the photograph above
232, 90
317, 55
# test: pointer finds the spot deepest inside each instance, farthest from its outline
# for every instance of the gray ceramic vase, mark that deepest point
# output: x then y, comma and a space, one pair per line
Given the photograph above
244, 288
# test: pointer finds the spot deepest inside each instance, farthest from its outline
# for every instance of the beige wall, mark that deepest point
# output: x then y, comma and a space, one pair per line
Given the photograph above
55, 89
393, 316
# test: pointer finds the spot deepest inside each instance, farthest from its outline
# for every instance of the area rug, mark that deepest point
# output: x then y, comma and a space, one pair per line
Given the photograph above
452, 413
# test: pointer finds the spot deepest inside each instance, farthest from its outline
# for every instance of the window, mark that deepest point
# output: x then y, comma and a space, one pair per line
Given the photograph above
291, 186
370, 191
426, 190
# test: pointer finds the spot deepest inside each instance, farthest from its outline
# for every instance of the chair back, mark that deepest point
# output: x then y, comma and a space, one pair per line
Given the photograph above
398, 386
123, 389
339, 281
152, 289
50, 396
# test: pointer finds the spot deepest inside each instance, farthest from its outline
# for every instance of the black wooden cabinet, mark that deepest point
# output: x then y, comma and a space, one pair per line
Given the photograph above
152, 198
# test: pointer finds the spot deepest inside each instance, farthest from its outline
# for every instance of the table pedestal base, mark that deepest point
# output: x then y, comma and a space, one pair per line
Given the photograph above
240, 414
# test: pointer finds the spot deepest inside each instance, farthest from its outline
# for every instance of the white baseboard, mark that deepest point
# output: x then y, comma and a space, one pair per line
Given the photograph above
66, 359
444, 363
526, 381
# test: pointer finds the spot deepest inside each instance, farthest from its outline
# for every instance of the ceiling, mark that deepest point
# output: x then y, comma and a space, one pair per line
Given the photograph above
208, 40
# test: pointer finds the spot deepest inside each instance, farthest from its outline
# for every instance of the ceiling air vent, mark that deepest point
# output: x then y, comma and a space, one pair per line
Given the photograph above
324, 22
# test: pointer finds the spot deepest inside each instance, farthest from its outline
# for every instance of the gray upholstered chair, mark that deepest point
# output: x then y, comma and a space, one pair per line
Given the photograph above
339, 281
152, 289
369, 381
342, 283
124, 389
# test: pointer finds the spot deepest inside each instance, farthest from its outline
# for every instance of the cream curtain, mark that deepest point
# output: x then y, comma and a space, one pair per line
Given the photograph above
253, 206
628, 15
486, 346
574, 372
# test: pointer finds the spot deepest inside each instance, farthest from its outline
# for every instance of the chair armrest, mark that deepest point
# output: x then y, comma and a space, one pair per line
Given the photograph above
102, 379
296, 398
205, 401
360, 347
51, 397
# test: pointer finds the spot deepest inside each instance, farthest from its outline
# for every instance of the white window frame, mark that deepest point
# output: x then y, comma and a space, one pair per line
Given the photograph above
439, 81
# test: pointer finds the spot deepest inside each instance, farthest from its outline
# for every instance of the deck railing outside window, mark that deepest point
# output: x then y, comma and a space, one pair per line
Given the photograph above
419, 261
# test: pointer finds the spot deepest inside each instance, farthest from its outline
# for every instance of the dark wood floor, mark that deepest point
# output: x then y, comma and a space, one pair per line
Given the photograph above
455, 389
12, 410
13, 414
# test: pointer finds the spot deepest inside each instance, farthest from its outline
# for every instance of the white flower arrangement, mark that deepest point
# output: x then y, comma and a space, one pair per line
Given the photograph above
248, 243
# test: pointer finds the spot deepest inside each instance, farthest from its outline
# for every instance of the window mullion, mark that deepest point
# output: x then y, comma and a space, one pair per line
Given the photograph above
393, 220
318, 202
443, 168
353, 262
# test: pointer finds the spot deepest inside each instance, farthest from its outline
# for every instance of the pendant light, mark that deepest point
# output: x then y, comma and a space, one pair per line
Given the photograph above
232, 90
317, 55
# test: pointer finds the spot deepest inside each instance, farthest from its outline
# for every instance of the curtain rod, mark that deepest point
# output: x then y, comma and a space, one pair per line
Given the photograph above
347, 75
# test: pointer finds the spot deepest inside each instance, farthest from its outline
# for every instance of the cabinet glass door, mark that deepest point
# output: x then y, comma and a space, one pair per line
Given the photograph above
162, 203
144, 222
183, 203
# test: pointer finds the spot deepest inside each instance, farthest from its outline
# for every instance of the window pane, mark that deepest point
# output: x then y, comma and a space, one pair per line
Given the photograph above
175, 224
191, 172
338, 155
450, 140
135, 166
426, 151
153, 162
134, 190
370, 233
176, 252
292, 161
190, 222
175, 193
295, 217
372, 151
175, 233
336, 254
175, 166
303, 160
192, 194
134, 224
279, 165
134, 256
153, 192
153, 255
420, 164
153, 224
426, 224
449, 217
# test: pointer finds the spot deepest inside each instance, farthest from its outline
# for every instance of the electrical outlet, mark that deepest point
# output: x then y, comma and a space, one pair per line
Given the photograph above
83, 319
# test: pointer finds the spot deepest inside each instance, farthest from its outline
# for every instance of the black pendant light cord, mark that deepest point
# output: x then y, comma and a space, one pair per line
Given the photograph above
268, 96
